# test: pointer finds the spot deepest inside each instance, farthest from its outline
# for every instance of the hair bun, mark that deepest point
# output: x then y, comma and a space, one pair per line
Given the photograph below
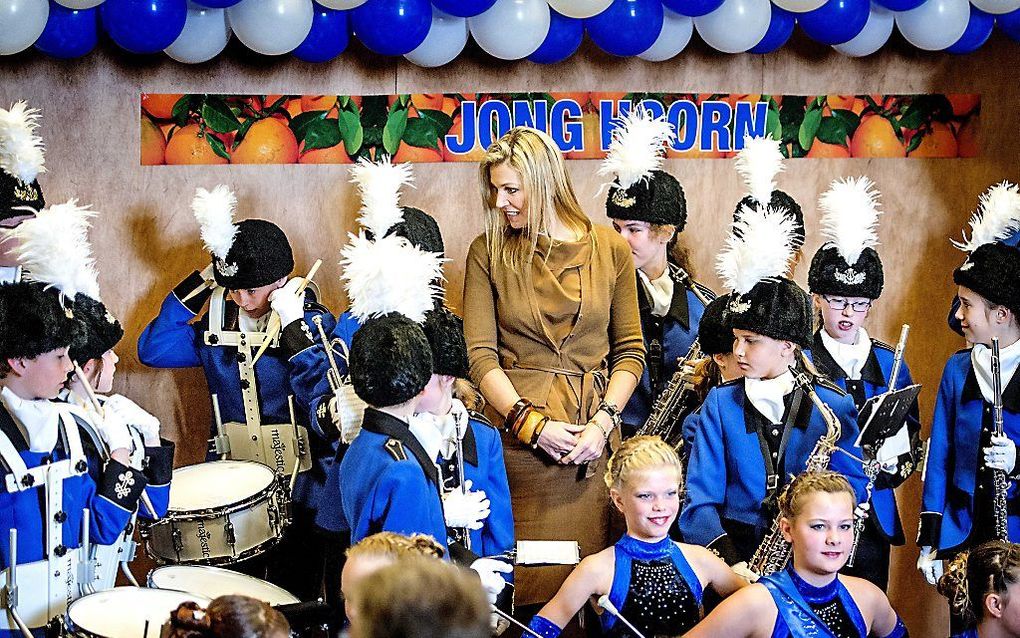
953, 585
190, 620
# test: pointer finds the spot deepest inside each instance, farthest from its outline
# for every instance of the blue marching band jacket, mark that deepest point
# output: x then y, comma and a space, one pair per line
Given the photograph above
667, 340
956, 502
171, 340
739, 462
874, 381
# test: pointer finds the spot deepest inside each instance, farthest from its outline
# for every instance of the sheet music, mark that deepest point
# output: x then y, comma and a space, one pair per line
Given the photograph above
548, 553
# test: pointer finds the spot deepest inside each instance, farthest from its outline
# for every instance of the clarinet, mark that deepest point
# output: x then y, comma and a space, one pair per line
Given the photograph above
998, 476
871, 465
774, 551
666, 409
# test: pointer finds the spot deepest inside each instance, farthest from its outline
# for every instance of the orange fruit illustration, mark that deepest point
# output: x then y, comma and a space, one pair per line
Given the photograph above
964, 103
824, 150
153, 143
407, 153
268, 141
592, 148
967, 140
474, 155
188, 146
875, 138
332, 155
939, 142
160, 105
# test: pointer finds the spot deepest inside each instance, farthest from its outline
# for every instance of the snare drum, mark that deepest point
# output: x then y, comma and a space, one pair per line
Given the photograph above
215, 582
124, 612
220, 513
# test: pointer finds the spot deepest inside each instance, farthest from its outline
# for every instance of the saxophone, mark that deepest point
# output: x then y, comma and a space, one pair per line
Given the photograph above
998, 476
662, 420
774, 551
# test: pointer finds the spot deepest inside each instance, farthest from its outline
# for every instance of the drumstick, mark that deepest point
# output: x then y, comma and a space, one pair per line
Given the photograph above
102, 413
274, 320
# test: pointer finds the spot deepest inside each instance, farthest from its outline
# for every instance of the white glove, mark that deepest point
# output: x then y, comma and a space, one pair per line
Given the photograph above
114, 431
287, 302
930, 567
489, 570
465, 509
134, 415
741, 569
1001, 455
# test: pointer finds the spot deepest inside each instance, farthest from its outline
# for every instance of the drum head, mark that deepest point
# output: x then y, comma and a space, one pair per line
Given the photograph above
122, 612
217, 484
214, 582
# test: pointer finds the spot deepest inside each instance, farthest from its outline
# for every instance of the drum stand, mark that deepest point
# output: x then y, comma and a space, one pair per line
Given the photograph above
9, 593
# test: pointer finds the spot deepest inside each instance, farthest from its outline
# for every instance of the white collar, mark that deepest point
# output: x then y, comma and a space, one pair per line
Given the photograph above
981, 359
38, 420
438, 434
246, 323
850, 357
660, 291
767, 395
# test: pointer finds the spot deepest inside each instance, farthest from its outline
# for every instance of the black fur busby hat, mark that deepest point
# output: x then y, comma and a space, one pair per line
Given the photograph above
757, 254
421, 229
640, 189
445, 332
21, 160
992, 269
758, 164
249, 254
391, 360
33, 321
98, 330
714, 336
848, 264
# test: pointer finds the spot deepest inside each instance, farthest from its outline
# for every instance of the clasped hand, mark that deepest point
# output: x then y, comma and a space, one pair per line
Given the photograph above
569, 443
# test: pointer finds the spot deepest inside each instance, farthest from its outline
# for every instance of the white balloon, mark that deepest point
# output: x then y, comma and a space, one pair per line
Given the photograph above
934, 25
80, 4
580, 8
22, 22
271, 27
206, 33
342, 5
446, 39
799, 6
511, 29
736, 26
875, 34
676, 33
997, 7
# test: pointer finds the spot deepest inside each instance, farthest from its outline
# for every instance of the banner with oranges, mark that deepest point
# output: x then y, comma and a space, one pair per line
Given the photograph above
457, 127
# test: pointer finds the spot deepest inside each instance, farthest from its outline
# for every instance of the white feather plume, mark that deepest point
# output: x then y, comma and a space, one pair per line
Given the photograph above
53, 249
379, 184
850, 216
21, 150
997, 217
637, 147
390, 275
759, 247
758, 164
214, 211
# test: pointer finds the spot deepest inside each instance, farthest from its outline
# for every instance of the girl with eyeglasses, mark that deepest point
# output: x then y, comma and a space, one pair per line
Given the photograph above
845, 279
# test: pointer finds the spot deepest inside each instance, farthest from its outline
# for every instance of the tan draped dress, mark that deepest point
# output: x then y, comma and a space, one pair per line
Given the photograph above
558, 330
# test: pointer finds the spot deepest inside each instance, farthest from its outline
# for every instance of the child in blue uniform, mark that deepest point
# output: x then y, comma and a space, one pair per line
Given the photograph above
809, 597
981, 584
753, 433
251, 263
48, 481
648, 209
845, 279
957, 504
654, 582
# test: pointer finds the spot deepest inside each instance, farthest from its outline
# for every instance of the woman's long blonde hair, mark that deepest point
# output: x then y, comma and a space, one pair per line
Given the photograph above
547, 190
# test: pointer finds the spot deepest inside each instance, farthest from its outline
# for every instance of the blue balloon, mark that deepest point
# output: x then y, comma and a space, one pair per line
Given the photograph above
216, 4
1010, 24
979, 28
69, 33
836, 21
328, 37
565, 35
143, 26
900, 5
463, 8
392, 27
780, 30
626, 27
692, 8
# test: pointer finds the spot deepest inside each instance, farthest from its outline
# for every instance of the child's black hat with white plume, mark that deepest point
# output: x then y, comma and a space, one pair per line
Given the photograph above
992, 268
758, 164
848, 264
21, 160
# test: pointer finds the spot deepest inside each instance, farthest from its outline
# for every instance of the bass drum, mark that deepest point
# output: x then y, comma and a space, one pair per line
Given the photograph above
214, 582
124, 612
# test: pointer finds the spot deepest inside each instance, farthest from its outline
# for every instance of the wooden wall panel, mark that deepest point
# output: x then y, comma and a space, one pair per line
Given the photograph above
147, 241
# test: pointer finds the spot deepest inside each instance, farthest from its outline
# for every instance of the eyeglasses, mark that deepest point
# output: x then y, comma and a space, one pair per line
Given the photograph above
839, 303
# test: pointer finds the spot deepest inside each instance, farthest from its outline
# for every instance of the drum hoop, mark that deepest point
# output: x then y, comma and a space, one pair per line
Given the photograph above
74, 629
151, 584
216, 561
265, 493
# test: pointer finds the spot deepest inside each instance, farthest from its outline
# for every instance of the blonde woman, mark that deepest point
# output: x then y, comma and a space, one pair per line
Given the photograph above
554, 343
